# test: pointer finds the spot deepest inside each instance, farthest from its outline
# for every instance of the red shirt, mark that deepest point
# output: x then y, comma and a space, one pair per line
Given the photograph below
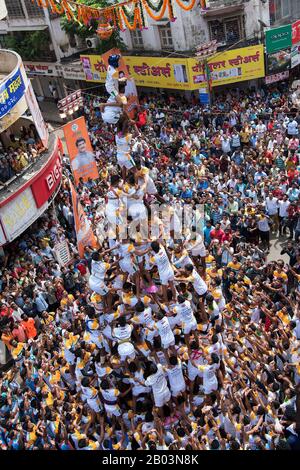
217, 234
19, 334
29, 327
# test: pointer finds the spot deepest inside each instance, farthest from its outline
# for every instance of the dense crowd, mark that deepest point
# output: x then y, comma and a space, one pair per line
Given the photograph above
167, 339
19, 152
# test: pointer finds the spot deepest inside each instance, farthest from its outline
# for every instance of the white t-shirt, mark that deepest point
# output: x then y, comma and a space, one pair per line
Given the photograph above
186, 312
283, 206
176, 378
292, 128
165, 330
272, 205
210, 381
198, 283
158, 381
162, 261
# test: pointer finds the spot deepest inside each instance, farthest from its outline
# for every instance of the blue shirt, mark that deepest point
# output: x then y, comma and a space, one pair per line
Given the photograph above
206, 233
203, 184
173, 188
187, 194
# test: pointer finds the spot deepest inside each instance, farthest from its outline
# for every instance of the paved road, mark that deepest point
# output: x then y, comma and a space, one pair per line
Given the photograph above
277, 245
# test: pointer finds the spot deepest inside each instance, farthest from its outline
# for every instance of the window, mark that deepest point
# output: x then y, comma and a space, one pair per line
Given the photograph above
137, 39
33, 10
285, 6
227, 31
165, 35
14, 9
279, 9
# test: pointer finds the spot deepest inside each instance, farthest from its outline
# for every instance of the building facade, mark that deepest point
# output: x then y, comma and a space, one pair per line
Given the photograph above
227, 21
232, 23
54, 61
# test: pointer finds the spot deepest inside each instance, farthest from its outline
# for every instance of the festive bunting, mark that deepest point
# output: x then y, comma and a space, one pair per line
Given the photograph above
126, 15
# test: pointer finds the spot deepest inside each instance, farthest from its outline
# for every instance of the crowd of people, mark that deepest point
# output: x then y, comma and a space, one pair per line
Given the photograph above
19, 152
171, 337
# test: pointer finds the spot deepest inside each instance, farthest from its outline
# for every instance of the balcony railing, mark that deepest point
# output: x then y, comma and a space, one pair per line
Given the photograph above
213, 4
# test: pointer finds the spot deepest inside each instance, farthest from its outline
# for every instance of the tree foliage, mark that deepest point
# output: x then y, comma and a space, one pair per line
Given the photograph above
30, 45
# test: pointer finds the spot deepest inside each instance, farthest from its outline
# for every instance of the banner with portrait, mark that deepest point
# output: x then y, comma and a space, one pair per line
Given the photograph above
80, 150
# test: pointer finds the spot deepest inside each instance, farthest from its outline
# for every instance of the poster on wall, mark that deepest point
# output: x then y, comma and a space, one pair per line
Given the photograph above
37, 116
80, 150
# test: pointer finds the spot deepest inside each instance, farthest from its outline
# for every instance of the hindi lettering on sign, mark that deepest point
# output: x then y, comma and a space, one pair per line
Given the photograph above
11, 92
62, 253
100, 66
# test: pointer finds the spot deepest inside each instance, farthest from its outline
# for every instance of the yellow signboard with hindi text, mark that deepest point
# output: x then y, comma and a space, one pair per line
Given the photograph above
238, 65
163, 72
234, 66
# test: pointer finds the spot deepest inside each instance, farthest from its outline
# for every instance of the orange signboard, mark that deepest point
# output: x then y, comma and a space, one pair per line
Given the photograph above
84, 233
80, 150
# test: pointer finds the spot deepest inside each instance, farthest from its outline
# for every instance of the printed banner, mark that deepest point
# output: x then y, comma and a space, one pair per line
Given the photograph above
84, 233
3, 10
132, 98
146, 71
49, 178
80, 150
37, 116
278, 38
295, 55
11, 91
14, 114
246, 63
17, 214
296, 32
62, 253
278, 61
71, 102
277, 77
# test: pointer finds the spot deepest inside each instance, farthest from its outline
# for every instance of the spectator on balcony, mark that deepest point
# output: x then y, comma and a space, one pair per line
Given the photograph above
22, 159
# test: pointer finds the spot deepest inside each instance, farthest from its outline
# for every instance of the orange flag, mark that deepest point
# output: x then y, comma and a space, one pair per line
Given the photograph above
84, 233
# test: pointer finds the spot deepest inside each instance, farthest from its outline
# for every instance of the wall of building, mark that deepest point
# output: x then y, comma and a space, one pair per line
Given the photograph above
191, 27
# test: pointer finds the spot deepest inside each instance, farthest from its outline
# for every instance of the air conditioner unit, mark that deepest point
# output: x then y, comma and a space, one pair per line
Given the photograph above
91, 43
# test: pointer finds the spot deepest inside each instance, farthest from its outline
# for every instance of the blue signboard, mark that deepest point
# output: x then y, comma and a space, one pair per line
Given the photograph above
11, 92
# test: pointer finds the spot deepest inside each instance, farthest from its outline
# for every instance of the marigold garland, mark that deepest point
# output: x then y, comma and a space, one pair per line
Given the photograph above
188, 7
131, 12
150, 13
137, 20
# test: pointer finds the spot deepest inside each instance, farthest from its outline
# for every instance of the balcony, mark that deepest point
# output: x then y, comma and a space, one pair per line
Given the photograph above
216, 8
223, 3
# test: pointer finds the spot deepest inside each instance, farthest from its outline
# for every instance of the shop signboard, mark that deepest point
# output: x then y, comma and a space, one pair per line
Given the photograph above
278, 39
